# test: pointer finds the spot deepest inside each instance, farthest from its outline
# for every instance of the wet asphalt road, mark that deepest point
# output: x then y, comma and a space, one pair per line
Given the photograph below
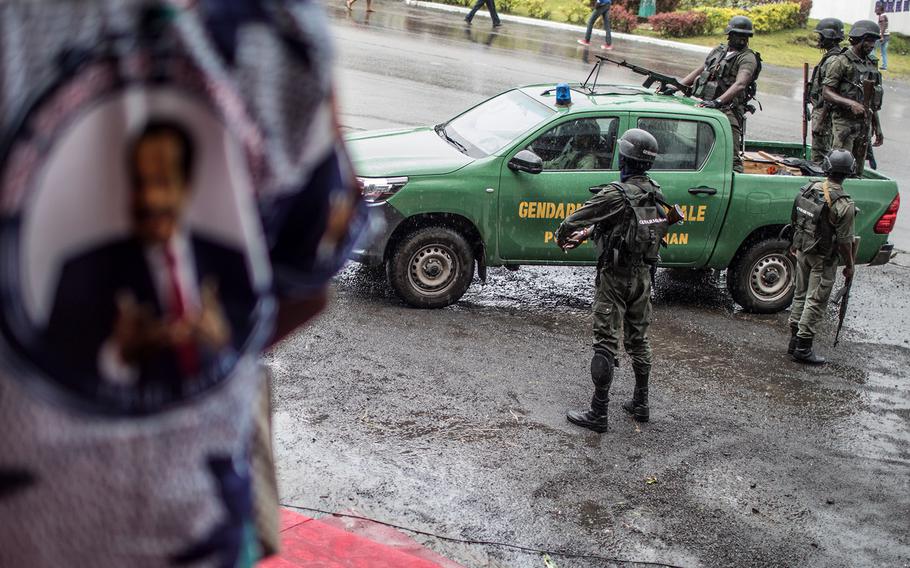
452, 421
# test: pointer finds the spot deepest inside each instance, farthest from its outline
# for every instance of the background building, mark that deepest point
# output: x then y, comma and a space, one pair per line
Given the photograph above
849, 11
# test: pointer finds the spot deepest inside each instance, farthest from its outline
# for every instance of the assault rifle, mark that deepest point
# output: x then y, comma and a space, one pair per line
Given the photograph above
651, 77
806, 114
868, 123
842, 296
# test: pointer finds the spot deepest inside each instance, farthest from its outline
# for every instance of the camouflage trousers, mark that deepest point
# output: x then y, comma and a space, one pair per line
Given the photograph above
821, 134
815, 275
736, 124
851, 135
622, 308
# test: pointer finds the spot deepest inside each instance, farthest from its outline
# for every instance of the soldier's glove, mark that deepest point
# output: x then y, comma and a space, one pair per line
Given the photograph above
713, 103
668, 90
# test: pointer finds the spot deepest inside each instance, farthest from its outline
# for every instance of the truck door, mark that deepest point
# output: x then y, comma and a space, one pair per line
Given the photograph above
691, 169
578, 152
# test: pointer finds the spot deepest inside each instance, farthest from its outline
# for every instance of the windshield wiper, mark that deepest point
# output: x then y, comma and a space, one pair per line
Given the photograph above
441, 130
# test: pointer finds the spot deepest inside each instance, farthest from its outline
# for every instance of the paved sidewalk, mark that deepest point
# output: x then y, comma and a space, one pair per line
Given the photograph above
337, 542
560, 26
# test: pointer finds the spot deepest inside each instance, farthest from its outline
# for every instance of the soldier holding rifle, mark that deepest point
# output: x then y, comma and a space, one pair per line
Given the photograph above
726, 80
854, 117
822, 219
830, 35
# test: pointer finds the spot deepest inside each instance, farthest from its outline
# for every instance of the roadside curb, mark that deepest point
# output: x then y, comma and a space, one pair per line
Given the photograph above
560, 26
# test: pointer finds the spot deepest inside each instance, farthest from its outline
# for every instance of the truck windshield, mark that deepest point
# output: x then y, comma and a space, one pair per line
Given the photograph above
490, 126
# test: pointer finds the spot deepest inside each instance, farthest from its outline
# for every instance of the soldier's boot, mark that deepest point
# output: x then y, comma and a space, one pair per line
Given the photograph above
638, 406
794, 328
602, 375
803, 352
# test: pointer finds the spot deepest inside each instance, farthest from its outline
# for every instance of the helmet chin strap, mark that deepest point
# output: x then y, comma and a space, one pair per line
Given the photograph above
629, 169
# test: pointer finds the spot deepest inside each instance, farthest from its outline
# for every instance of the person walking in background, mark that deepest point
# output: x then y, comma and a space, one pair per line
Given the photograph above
882, 44
601, 10
350, 5
491, 6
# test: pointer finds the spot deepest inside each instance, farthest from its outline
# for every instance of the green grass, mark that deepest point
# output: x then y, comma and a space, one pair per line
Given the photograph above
791, 48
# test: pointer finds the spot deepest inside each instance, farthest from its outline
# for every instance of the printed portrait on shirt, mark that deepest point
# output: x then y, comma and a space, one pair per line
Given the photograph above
142, 273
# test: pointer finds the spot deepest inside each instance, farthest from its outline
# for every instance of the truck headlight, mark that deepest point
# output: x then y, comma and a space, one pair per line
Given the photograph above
375, 190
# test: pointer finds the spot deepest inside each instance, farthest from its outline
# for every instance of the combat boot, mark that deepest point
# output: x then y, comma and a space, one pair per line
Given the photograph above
794, 329
602, 375
638, 406
803, 352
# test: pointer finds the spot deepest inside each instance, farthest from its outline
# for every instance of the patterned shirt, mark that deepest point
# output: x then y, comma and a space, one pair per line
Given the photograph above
86, 485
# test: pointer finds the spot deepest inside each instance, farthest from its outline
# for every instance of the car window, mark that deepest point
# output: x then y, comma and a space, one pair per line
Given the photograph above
488, 127
682, 144
581, 144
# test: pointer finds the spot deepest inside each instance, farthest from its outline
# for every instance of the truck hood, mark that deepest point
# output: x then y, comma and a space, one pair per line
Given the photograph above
417, 151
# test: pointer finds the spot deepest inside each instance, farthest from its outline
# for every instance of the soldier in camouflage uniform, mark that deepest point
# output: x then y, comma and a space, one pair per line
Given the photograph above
622, 302
830, 33
843, 91
726, 80
823, 220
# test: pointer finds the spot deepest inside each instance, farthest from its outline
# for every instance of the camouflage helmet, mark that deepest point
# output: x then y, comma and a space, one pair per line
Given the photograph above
740, 25
639, 145
839, 162
864, 28
830, 28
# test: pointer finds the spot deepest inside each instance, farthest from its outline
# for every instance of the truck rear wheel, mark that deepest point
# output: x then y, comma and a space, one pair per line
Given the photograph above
761, 278
431, 267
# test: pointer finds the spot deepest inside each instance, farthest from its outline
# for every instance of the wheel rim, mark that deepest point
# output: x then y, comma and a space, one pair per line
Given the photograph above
432, 269
771, 277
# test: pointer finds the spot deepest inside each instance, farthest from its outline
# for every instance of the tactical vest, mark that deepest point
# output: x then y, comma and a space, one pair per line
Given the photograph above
866, 68
720, 74
811, 218
815, 83
637, 237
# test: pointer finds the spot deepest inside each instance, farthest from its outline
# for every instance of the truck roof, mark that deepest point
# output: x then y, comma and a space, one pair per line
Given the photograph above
628, 97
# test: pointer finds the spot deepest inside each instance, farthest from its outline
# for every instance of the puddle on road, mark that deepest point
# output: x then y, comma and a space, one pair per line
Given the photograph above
879, 427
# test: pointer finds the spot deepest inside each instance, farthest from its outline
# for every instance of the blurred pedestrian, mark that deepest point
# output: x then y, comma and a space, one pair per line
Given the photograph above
350, 5
146, 461
601, 10
882, 44
491, 6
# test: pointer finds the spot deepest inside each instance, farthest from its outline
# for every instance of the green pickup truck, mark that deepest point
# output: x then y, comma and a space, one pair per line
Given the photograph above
490, 186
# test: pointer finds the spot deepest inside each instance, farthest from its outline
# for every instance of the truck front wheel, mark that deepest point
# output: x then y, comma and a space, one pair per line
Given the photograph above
431, 267
761, 277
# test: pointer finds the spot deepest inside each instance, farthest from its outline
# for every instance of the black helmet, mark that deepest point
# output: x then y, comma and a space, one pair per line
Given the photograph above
839, 162
740, 25
830, 28
638, 145
864, 28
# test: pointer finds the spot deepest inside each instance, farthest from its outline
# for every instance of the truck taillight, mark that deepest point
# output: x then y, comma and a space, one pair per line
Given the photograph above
886, 222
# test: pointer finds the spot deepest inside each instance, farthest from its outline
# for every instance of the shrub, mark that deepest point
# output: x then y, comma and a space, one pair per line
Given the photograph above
666, 6
717, 18
535, 8
805, 6
775, 17
622, 20
578, 12
766, 18
679, 24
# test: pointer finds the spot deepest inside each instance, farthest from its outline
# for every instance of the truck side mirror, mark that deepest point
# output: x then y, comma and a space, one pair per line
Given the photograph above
526, 161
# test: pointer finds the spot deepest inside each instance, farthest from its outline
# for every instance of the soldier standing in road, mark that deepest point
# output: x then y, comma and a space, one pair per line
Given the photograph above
823, 221
726, 80
830, 33
626, 223
843, 91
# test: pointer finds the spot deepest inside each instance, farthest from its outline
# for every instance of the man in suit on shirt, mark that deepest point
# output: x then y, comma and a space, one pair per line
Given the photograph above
148, 312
